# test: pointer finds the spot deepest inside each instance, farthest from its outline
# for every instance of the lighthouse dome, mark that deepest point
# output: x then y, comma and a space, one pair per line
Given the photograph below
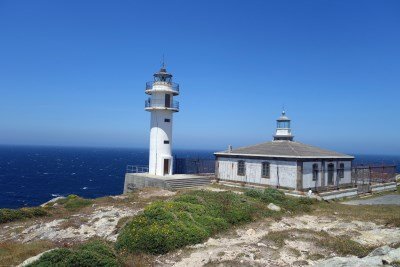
283, 117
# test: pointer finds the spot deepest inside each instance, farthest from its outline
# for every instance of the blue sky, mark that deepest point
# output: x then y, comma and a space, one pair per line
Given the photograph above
73, 72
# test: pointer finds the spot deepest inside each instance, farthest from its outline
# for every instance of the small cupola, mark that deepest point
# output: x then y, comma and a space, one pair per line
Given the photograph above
162, 75
283, 130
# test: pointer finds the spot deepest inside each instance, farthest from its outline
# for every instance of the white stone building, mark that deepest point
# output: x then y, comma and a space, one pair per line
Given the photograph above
284, 163
162, 105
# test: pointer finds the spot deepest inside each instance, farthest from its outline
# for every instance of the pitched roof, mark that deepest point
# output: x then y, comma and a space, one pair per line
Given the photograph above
284, 149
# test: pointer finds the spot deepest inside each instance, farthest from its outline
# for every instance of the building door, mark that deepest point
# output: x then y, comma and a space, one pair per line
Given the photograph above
331, 173
167, 100
166, 166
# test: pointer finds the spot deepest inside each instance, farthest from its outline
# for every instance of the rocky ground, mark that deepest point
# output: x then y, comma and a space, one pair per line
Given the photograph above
100, 219
319, 238
250, 245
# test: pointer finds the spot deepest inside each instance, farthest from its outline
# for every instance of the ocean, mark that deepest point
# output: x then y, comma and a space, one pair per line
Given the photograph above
30, 175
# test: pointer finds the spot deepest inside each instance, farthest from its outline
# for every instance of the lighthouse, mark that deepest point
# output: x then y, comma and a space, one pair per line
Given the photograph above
283, 130
162, 106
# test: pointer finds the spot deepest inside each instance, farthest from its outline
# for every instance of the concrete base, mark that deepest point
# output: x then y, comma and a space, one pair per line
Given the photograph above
134, 181
337, 194
384, 187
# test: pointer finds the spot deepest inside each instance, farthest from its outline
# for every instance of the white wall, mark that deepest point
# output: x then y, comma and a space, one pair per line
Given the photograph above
160, 131
227, 170
307, 173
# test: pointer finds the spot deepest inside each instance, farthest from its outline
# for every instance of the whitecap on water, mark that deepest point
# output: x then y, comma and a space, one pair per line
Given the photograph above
84, 188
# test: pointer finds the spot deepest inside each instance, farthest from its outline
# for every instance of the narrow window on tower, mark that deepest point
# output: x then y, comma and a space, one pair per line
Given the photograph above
166, 142
167, 120
167, 100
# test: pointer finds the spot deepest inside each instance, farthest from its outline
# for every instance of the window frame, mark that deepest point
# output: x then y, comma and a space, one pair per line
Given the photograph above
167, 120
166, 142
241, 168
266, 170
315, 172
340, 171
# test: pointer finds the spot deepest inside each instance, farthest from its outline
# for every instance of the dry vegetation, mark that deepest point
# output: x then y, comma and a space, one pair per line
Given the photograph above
185, 212
341, 245
387, 215
12, 253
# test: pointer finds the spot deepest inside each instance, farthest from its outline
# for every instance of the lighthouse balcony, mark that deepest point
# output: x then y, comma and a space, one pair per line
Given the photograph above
161, 86
161, 105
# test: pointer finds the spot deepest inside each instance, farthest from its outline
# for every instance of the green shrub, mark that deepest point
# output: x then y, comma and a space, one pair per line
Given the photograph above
9, 215
254, 193
91, 254
344, 246
74, 202
187, 219
277, 197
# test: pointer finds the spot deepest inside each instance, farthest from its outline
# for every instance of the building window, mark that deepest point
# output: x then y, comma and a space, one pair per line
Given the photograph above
341, 170
241, 168
315, 172
167, 120
265, 170
166, 142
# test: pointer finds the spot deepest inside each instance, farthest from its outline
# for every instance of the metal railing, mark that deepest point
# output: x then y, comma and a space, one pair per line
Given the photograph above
137, 169
160, 104
194, 165
172, 85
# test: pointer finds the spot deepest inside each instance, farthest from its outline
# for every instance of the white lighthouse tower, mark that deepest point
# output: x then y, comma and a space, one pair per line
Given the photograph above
162, 106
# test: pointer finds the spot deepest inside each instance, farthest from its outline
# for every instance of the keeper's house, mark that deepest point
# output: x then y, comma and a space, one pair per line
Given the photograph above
284, 163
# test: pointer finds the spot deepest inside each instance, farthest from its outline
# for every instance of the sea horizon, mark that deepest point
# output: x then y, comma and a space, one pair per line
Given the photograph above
31, 175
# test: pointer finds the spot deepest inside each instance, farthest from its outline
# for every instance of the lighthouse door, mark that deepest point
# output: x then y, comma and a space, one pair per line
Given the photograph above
167, 100
166, 166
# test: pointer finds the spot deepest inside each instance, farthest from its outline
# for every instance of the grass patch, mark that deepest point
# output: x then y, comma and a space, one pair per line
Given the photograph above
186, 219
92, 254
295, 252
278, 237
344, 246
74, 202
292, 204
194, 216
316, 257
12, 253
389, 215
341, 245
10, 215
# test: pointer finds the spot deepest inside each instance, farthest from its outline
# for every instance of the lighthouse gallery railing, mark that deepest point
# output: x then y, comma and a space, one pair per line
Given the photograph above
172, 85
160, 104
